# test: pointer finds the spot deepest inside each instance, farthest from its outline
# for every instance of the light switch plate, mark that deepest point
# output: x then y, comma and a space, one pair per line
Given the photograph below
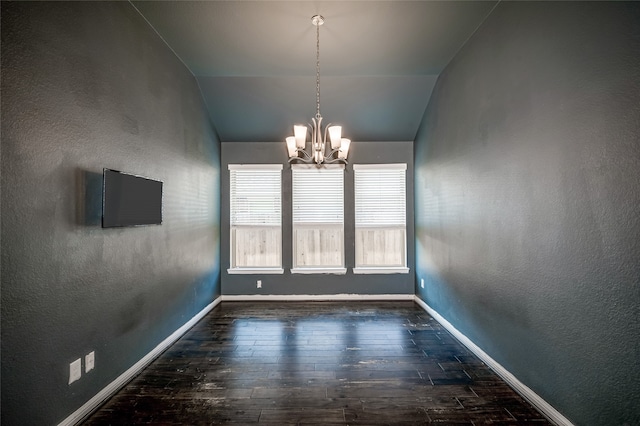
89, 361
75, 370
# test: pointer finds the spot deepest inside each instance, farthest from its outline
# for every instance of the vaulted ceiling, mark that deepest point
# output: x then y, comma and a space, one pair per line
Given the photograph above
255, 61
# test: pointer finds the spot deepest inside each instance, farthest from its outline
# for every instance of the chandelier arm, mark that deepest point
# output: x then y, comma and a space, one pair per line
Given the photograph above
305, 154
326, 130
305, 159
313, 130
318, 23
291, 160
335, 160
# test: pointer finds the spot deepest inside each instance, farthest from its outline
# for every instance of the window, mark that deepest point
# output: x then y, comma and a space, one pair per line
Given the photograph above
318, 219
380, 210
256, 218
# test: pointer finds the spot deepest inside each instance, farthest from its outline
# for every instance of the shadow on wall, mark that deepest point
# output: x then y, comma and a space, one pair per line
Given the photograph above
88, 198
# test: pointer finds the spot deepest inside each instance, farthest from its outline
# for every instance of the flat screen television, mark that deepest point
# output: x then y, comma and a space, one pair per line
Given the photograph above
130, 200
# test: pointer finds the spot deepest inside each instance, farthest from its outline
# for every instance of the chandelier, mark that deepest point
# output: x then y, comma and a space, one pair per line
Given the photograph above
296, 144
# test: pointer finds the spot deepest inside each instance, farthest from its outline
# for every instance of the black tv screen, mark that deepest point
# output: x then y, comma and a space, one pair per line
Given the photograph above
130, 200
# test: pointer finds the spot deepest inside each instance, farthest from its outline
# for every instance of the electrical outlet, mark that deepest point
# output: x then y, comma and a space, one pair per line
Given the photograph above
259, 284
89, 361
75, 370
422, 282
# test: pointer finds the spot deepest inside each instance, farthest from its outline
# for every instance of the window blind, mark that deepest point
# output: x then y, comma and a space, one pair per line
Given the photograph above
256, 194
318, 195
380, 194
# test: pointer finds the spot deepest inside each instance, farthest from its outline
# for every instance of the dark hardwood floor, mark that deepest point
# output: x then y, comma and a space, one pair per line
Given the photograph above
351, 363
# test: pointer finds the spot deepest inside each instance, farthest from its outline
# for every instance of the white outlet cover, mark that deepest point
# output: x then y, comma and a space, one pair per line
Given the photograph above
75, 370
259, 283
89, 361
422, 282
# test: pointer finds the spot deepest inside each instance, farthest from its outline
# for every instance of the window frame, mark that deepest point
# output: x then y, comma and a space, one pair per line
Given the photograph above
295, 226
233, 227
380, 269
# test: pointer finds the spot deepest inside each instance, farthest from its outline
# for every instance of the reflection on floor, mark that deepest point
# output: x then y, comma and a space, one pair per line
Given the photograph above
323, 363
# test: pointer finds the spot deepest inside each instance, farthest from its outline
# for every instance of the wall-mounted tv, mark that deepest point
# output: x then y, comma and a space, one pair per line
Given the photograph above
130, 200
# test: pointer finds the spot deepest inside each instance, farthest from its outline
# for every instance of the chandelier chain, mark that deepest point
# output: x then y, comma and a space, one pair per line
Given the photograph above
318, 71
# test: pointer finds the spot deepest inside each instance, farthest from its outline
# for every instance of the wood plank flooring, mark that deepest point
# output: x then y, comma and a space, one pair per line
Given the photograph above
320, 363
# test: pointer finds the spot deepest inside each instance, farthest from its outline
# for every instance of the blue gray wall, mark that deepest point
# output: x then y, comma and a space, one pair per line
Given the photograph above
87, 85
292, 284
527, 175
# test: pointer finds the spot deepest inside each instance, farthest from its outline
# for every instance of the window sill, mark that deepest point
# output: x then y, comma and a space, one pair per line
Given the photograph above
381, 270
239, 271
336, 271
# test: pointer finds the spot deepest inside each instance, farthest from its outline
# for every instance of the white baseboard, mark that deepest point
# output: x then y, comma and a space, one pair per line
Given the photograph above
533, 398
125, 377
313, 297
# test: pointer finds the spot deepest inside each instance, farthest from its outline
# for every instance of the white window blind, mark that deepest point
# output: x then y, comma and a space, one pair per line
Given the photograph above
256, 194
318, 195
318, 218
380, 217
256, 217
380, 194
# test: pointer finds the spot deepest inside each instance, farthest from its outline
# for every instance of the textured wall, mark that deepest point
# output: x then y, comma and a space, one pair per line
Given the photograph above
87, 85
276, 153
527, 194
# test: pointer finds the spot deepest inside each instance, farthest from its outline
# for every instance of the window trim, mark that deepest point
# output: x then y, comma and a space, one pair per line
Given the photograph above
250, 271
319, 270
369, 270
335, 270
